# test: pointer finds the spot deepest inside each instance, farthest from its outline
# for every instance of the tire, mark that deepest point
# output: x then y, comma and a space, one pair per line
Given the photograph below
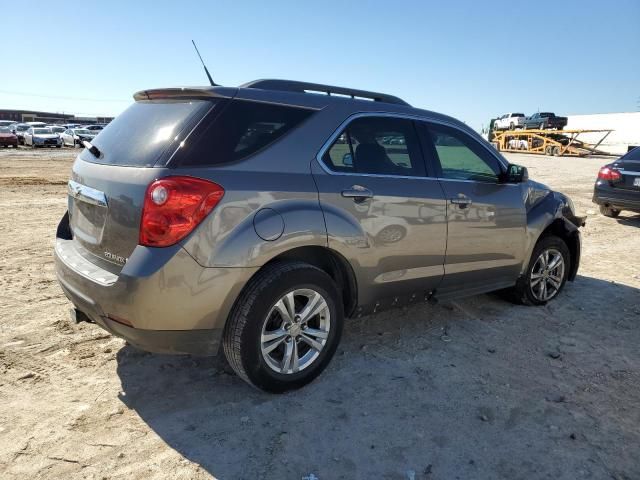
556, 151
255, 313
609, 212
528, 288
541, 126
511, 126
548, 150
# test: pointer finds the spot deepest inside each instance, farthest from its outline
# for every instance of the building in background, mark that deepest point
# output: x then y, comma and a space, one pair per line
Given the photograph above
625, 126
48, 117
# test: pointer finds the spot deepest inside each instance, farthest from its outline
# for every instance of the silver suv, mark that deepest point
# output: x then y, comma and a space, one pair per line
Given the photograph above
259, 217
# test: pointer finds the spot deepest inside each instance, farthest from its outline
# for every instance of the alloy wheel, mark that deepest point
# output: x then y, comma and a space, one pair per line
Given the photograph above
295, 331
547, 274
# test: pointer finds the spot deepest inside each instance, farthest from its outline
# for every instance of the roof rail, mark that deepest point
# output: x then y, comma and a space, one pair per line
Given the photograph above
306, 87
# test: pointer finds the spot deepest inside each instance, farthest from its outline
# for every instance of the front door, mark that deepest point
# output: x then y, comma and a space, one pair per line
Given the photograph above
486, 218
382, 212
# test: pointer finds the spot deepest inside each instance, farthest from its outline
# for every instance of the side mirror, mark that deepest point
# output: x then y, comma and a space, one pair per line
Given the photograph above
516, 174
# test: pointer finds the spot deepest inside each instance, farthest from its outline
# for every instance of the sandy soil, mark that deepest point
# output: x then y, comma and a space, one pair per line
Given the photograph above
474, 389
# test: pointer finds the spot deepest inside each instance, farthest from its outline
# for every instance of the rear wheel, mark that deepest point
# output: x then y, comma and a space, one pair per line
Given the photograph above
285, 327
546, 274
548, 150
608, 211
556, 151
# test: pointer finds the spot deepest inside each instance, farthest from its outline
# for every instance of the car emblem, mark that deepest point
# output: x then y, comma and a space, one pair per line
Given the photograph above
115, 258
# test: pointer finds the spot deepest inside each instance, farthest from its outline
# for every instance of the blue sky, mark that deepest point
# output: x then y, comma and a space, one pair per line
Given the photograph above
469, 59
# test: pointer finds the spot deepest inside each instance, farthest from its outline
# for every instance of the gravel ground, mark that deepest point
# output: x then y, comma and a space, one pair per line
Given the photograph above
473, 389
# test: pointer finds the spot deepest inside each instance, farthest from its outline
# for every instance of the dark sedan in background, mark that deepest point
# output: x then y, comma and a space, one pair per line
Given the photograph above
618, 185
8, 138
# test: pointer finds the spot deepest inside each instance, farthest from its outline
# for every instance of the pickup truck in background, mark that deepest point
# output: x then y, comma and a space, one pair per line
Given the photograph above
544, 121
509, 121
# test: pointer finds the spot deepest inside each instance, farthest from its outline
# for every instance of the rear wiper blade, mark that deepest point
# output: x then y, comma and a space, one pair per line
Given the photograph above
92, 148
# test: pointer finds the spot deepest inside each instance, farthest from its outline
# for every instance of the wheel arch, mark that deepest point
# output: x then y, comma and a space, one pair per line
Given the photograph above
327, 260
552, 216
562, 228
331, 262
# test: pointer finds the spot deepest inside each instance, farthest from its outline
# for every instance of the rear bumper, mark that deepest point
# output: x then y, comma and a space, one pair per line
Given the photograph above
616, 198
173, 304
194, 342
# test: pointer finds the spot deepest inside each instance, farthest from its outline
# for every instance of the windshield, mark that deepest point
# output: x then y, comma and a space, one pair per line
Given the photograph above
5, 130
57, 129
82, 131
518, 115
42, 131
547, 114
141, 134
22, 128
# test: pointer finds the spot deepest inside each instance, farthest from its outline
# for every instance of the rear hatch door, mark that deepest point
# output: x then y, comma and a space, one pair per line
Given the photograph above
106, 190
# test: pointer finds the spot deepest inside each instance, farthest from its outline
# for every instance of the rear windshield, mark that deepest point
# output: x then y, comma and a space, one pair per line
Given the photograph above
140, 135
241, 129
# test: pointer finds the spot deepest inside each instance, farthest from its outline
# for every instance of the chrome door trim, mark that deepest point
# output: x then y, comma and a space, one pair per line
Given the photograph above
406, 116
87, 194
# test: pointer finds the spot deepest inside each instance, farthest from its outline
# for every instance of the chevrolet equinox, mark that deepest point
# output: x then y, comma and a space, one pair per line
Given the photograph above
257, 218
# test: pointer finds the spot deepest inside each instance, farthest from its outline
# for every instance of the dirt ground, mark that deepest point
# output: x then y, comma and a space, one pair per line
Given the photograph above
474, 389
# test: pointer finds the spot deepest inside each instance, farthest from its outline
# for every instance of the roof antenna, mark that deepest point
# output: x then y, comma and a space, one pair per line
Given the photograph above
213, 84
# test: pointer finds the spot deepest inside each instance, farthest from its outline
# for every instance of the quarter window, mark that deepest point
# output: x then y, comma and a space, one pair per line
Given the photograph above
461, 157
377, 145
241, 129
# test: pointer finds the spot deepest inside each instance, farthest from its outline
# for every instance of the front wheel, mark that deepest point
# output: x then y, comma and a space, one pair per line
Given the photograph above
546, 274
285, 327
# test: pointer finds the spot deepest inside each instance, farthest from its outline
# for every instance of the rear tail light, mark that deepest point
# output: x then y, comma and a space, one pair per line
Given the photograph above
174, 206
609, 173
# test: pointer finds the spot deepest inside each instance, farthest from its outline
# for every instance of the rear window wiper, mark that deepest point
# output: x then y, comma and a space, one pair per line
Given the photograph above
92, 148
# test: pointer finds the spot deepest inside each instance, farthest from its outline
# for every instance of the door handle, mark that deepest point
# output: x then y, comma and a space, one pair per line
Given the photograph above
358, 193
462, 202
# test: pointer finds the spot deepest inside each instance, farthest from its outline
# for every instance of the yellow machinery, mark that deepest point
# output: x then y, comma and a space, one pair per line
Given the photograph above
547, 142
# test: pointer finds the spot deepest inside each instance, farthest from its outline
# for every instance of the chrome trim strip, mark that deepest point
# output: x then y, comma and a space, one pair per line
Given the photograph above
629, 172
406, 116
86, 194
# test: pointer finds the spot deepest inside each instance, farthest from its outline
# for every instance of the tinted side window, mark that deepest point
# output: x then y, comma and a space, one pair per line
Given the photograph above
241, 129
462, 157
377, 145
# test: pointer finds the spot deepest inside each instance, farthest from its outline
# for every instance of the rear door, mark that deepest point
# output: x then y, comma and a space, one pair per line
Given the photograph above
106, 191
382, 210
486, 219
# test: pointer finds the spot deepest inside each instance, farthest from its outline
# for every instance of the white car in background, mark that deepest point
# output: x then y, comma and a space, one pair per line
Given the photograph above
42, 137
73, 137
59, 129
509, 121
